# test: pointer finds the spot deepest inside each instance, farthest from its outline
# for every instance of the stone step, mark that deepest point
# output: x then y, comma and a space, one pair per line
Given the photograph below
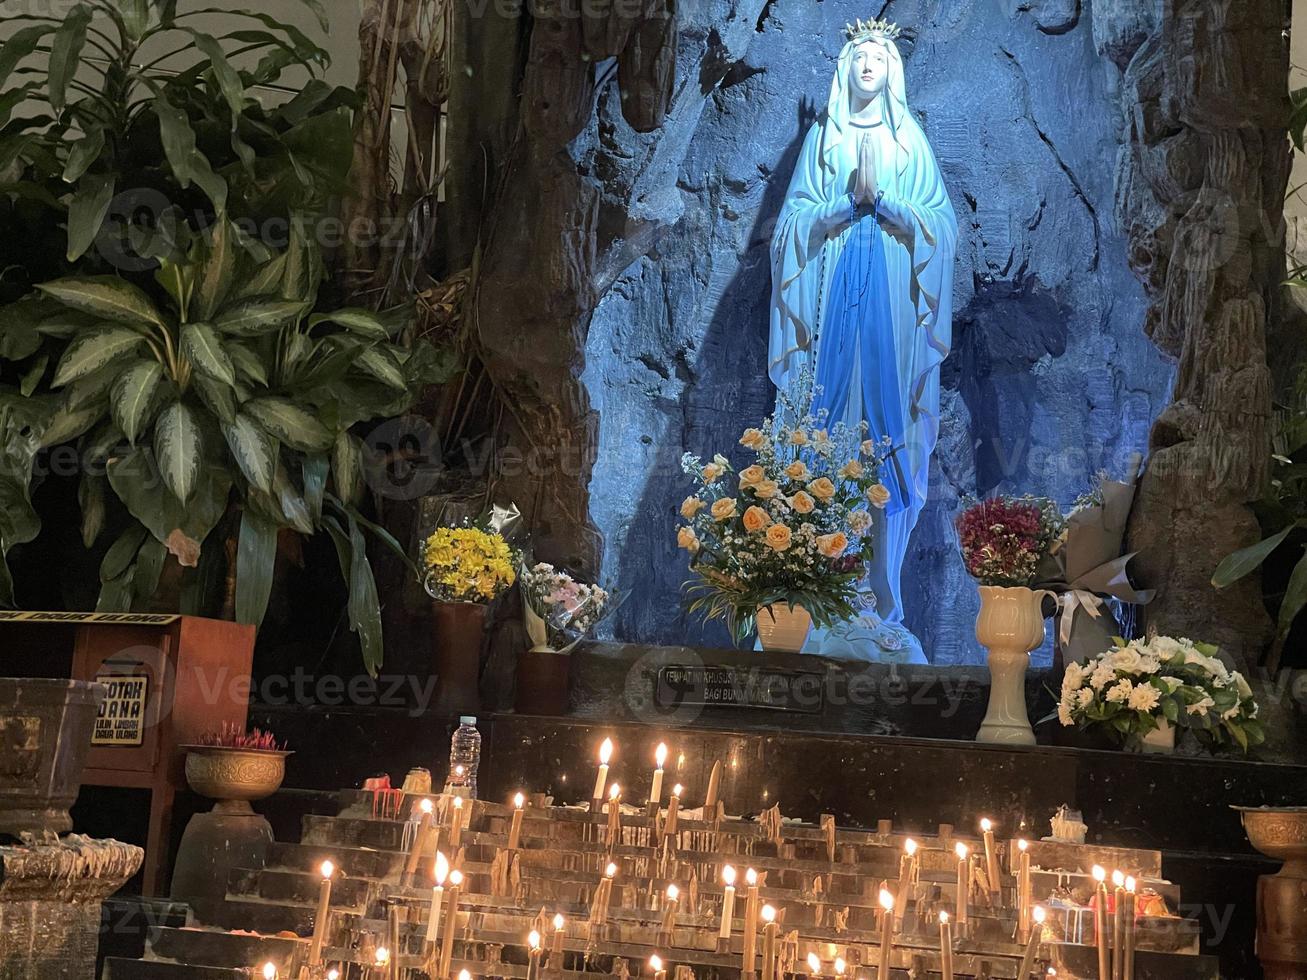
383, 835
361, 862
253, 914
117, 968
300, 887
211, 947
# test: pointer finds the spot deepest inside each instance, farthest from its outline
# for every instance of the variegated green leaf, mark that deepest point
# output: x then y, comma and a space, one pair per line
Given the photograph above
82, 154
177, 449
253, 449
290, 423
347, 466
93, 350
256, 316
248, 363
200, 345
218, 398
379, 363
67, 423
266, 281
105, 296
363, 322
215, 275
130, 397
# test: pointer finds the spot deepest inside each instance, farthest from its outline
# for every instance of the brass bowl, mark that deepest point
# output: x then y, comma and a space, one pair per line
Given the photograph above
1279, 832
234, 775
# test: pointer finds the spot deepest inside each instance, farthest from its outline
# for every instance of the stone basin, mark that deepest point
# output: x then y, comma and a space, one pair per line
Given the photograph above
1279, 832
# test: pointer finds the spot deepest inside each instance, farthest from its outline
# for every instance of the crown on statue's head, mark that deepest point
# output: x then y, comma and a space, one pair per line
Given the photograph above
865, 30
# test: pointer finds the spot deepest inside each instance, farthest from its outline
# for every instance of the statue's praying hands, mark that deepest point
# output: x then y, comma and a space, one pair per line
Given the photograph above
865, 184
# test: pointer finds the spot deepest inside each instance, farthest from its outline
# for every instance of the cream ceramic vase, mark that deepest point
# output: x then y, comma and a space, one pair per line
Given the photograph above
1010, 625
1160, 741
783, 629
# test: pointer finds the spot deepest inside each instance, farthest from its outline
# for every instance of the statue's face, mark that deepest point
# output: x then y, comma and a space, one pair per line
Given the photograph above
869, 72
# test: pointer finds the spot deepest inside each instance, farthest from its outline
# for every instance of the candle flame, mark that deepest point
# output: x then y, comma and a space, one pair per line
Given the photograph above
750, 877
328, 869
611, 870
961, 850
383, 956
519, 801
1118, 878
814, 964
840, 966
1023, 844
1130, 884
768, 913
605, 751
464, 975
943, 918
986, 824
910, 846
676, 790
455, 878
660, 754
1052, 971
425, 806
559, 922
656, 963
459, 770
533, 939
269, 971
1038, 914
614, 792
458, 803
442, 868
886, 899
728, 875
673, 893
1099, 873
333, 974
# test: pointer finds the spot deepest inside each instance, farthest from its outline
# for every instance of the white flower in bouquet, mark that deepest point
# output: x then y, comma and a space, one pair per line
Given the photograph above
560, 611
1120, 692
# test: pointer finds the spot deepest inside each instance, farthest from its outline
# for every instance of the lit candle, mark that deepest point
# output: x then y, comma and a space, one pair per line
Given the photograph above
656, 965
451, 923
1100, 922
605, 753
728, 907
714, 788
533, 955
991, 854
1023, 891
668, 926
382, 960
770, 929
455, 822
1036, 936
886, 932
614, 815
324, 913
515, 829
840, 966
269, 971
673, 808
1118, 923
437, 898
560, 925
749, 959
333, 974
1128, 954
945, 947
419, 841
963, 899
907, 880
814, 965
599, 903
656, 789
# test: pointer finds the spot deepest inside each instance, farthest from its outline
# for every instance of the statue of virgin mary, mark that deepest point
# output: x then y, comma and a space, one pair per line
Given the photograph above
862, 280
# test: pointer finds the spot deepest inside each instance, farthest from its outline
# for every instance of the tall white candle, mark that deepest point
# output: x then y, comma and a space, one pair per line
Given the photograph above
1023, 891
324, 913
1036, 935
1118, 924
1128, 954
991, 854
886, 933
814, 965
907, 879
1100, 922
656, 788
656, 965
455, 821
515, 829
437, 898
749, 959
605, 754
770, 930
963, 900
728, 903
945, 947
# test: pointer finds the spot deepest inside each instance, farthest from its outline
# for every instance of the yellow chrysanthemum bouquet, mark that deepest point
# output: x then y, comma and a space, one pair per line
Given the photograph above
468, 564
791, 528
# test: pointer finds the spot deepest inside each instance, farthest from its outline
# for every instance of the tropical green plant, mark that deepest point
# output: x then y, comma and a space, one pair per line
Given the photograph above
229, 396
122, 121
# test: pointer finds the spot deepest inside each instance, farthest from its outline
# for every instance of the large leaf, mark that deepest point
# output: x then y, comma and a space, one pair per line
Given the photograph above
122, 552
132, 393
93, 350
107, 297
315, 469
266, 281
201, 346
83, 153
188, 163
66, 53
135, 17
86, 213
291, 504
149, 567
347, 467
67, 423
290, 423
1295, 596
90, 496
364, 604
253, 449
20, 45
363, 322
248, 364
256, 316
1235, 566
228, 79
216, 273
135, 479
256, 554
381, 364
177, 447
217, 397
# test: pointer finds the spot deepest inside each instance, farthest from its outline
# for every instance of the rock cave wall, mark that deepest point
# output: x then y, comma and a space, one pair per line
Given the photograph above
1051, 378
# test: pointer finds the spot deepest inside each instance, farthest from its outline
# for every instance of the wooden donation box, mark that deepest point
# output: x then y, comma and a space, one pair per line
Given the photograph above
171, 679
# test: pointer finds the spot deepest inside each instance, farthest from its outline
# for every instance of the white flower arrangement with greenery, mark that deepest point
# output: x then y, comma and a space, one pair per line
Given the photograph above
1139, 685
792, 526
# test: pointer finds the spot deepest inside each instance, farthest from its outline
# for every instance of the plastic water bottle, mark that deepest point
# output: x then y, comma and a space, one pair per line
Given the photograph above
465, 752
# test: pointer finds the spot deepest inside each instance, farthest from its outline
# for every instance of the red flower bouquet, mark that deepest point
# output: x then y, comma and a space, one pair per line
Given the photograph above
1005, 539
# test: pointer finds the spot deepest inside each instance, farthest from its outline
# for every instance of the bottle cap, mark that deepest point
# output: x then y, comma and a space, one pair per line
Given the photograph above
467, 719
